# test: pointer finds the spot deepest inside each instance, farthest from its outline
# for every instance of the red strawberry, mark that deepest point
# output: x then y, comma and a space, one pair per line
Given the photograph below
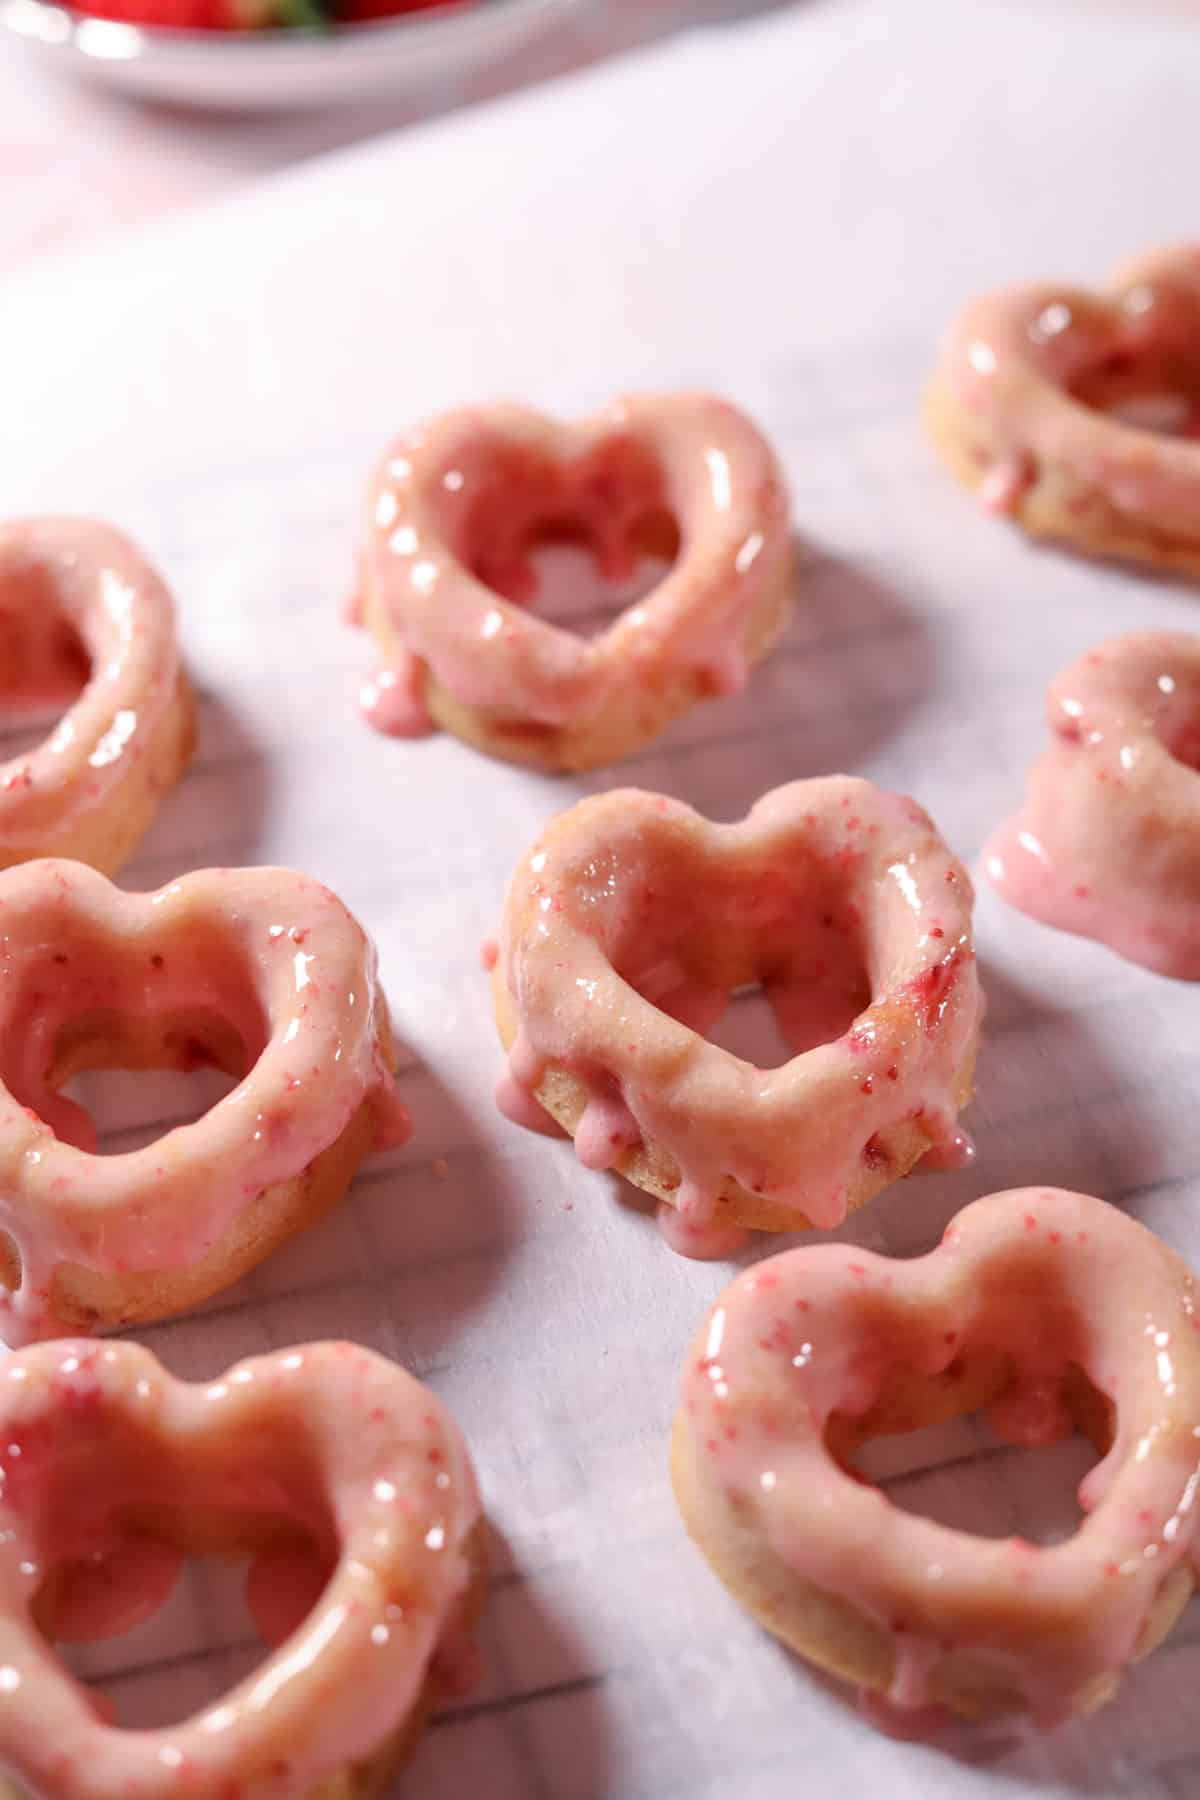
181, 15
360, 12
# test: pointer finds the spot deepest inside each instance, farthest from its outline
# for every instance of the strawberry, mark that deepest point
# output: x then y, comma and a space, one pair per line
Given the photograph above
249, 15
361, 12
182, 15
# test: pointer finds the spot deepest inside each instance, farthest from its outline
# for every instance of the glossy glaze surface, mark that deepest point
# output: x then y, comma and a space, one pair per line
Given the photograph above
458, 504
344, 1478
632, 920
78, 605
260, 970
1108, 841
1048, 1283
1102, 388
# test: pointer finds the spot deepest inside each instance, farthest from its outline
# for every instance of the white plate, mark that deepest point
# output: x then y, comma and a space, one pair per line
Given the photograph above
277, 69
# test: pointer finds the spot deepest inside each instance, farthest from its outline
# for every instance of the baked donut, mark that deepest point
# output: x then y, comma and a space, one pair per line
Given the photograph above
631, 922
343, 1479
447, 584
261, 972
1050, 1309
1108, 842
79, 605
1079, 413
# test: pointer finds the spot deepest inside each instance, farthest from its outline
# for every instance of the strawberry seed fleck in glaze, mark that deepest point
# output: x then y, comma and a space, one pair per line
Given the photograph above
139, 1223
660, 917
249, 1454
1027, 1323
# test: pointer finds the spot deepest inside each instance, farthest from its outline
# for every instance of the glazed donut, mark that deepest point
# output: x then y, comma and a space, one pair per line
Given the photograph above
1108, 843
1049, 1309
447, 584
633, 919
342, 1477
1078, 413
77, 597
261, 972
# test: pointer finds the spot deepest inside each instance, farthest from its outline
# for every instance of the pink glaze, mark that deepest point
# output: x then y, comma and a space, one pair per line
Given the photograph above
1108, 842
328, 1444
1105, 388
392, 701
74, 593
953, 1153
713, 1241
267, 953
283, 1584
113, 1589
606, 1130
841, 899
907, 1724
1049, 1279
519, 1107
1005, 484
457, 505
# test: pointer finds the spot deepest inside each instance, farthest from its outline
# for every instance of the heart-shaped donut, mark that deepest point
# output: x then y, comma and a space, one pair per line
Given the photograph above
78, 602
1049, 1309
1108, 841
457, 506
1079, 413
343, 1478
631, 922
261, 972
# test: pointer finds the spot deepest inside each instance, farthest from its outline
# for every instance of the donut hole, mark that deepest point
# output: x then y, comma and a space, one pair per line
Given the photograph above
576, 588
749, 1029
127, 1105
124, 1567
44, 663
221, 1611
1147, 374
1182, 742
1187, 750
1176, 710
767, 964
970, 1468
579, 541
767, 1024
119, 1042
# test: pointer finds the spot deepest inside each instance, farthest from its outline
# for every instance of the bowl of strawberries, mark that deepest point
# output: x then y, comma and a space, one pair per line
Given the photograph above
278, 54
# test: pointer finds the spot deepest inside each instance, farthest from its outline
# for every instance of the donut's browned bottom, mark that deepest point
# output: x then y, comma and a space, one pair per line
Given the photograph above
1054, 504
651, 1167
631, 717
